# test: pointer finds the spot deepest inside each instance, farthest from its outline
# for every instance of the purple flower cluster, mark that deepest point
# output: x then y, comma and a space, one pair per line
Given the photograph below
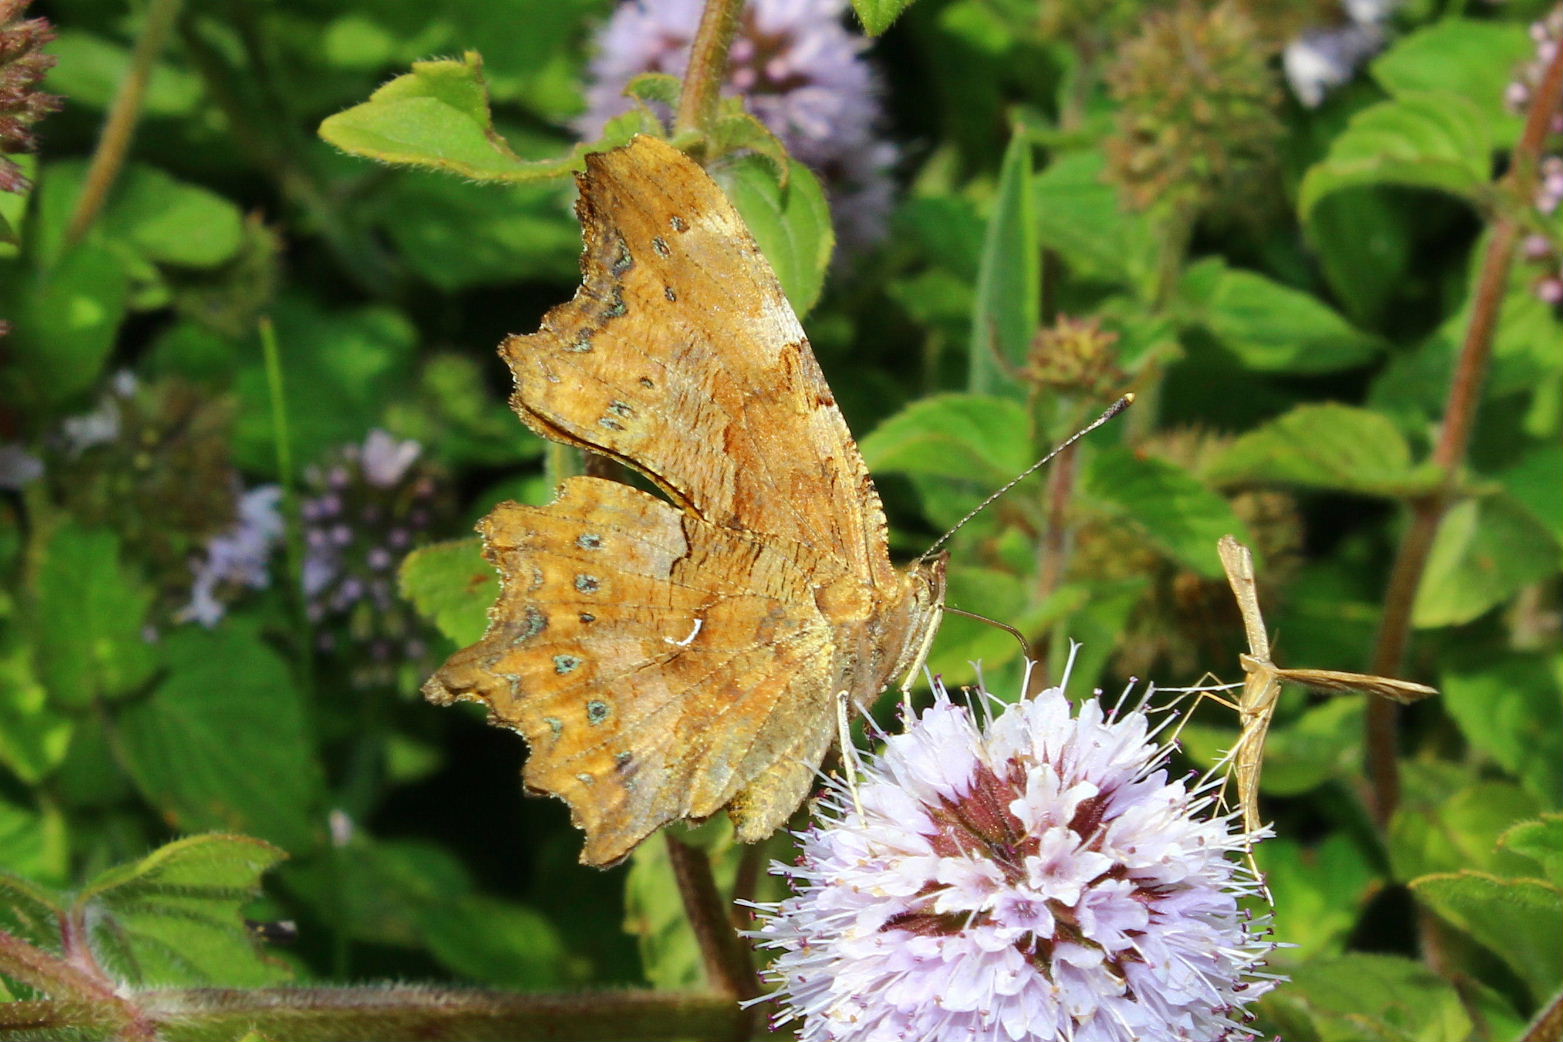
1326, 57
800, 71
1544, 248
366, 509
1022, 871
237, 558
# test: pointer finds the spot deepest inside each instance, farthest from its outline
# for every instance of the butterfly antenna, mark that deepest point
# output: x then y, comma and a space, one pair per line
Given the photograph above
1006, 627
1112, 410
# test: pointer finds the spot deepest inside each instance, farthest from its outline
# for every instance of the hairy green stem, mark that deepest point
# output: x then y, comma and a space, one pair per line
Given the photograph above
119, 126
1449, 454
707, 66
389, 1011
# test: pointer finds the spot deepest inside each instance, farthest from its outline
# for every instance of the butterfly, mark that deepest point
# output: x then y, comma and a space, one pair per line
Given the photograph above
666, 657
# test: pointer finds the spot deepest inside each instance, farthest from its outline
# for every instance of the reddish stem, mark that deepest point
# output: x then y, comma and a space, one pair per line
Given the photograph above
1465, 393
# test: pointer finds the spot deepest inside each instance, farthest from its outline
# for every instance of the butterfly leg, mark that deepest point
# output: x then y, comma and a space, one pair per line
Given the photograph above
850, 764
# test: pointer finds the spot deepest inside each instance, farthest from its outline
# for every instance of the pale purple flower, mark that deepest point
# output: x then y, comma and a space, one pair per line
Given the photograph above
236, 557
18, 467
385, 460
1328, 56
1023, 871
799, 70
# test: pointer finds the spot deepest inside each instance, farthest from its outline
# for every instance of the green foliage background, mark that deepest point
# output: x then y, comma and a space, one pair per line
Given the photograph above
1295, 352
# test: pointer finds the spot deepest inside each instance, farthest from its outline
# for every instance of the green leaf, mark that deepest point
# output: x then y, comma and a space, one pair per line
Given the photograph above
173, 918
1451, 819
1364, 239
452, 586
1009, 282
1271, 327
1428, 139
339, 368
31, 911
1485, 551
654, 912
458, 235
87, 622
791, 224
1368, 998
33, 734
1521, 920
1534, 481
1511, 709
1541, 840
437, 116
1176, 511
65, 320
1474, 59
500, 942
1079, 215
968, 436
222, 742
169, 221
1319, 891
877, 15
1329, 446
1304, 749
91, 72
34, 842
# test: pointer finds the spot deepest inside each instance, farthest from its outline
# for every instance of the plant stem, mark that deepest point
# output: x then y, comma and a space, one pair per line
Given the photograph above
727, 961
391, 1011
707, 65
1465, 392
119, 126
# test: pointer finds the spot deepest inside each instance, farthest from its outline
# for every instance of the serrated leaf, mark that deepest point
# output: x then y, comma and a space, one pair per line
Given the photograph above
967, 436
1541, 840
878, 15
1511, 709
1369, 998
1452, 820
1174, 509
437, 117
1008, 307
1330, 446
1521, 920
87, 622
791, 224
1271, 327
1485, 551
222, 742
1428, 139
31, 911
173, 918
452, 586
1079, 215
1474, 59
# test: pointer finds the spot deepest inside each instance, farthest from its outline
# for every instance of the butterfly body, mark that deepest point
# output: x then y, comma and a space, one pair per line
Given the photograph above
668, 658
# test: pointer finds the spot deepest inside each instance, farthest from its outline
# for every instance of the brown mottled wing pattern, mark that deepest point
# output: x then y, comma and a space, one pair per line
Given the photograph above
666, 661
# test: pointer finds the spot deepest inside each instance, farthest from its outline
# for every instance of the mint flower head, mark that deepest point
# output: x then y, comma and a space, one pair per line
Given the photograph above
798, 69
1024, 871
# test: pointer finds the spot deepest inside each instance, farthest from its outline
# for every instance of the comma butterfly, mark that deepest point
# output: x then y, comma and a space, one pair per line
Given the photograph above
666, 659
